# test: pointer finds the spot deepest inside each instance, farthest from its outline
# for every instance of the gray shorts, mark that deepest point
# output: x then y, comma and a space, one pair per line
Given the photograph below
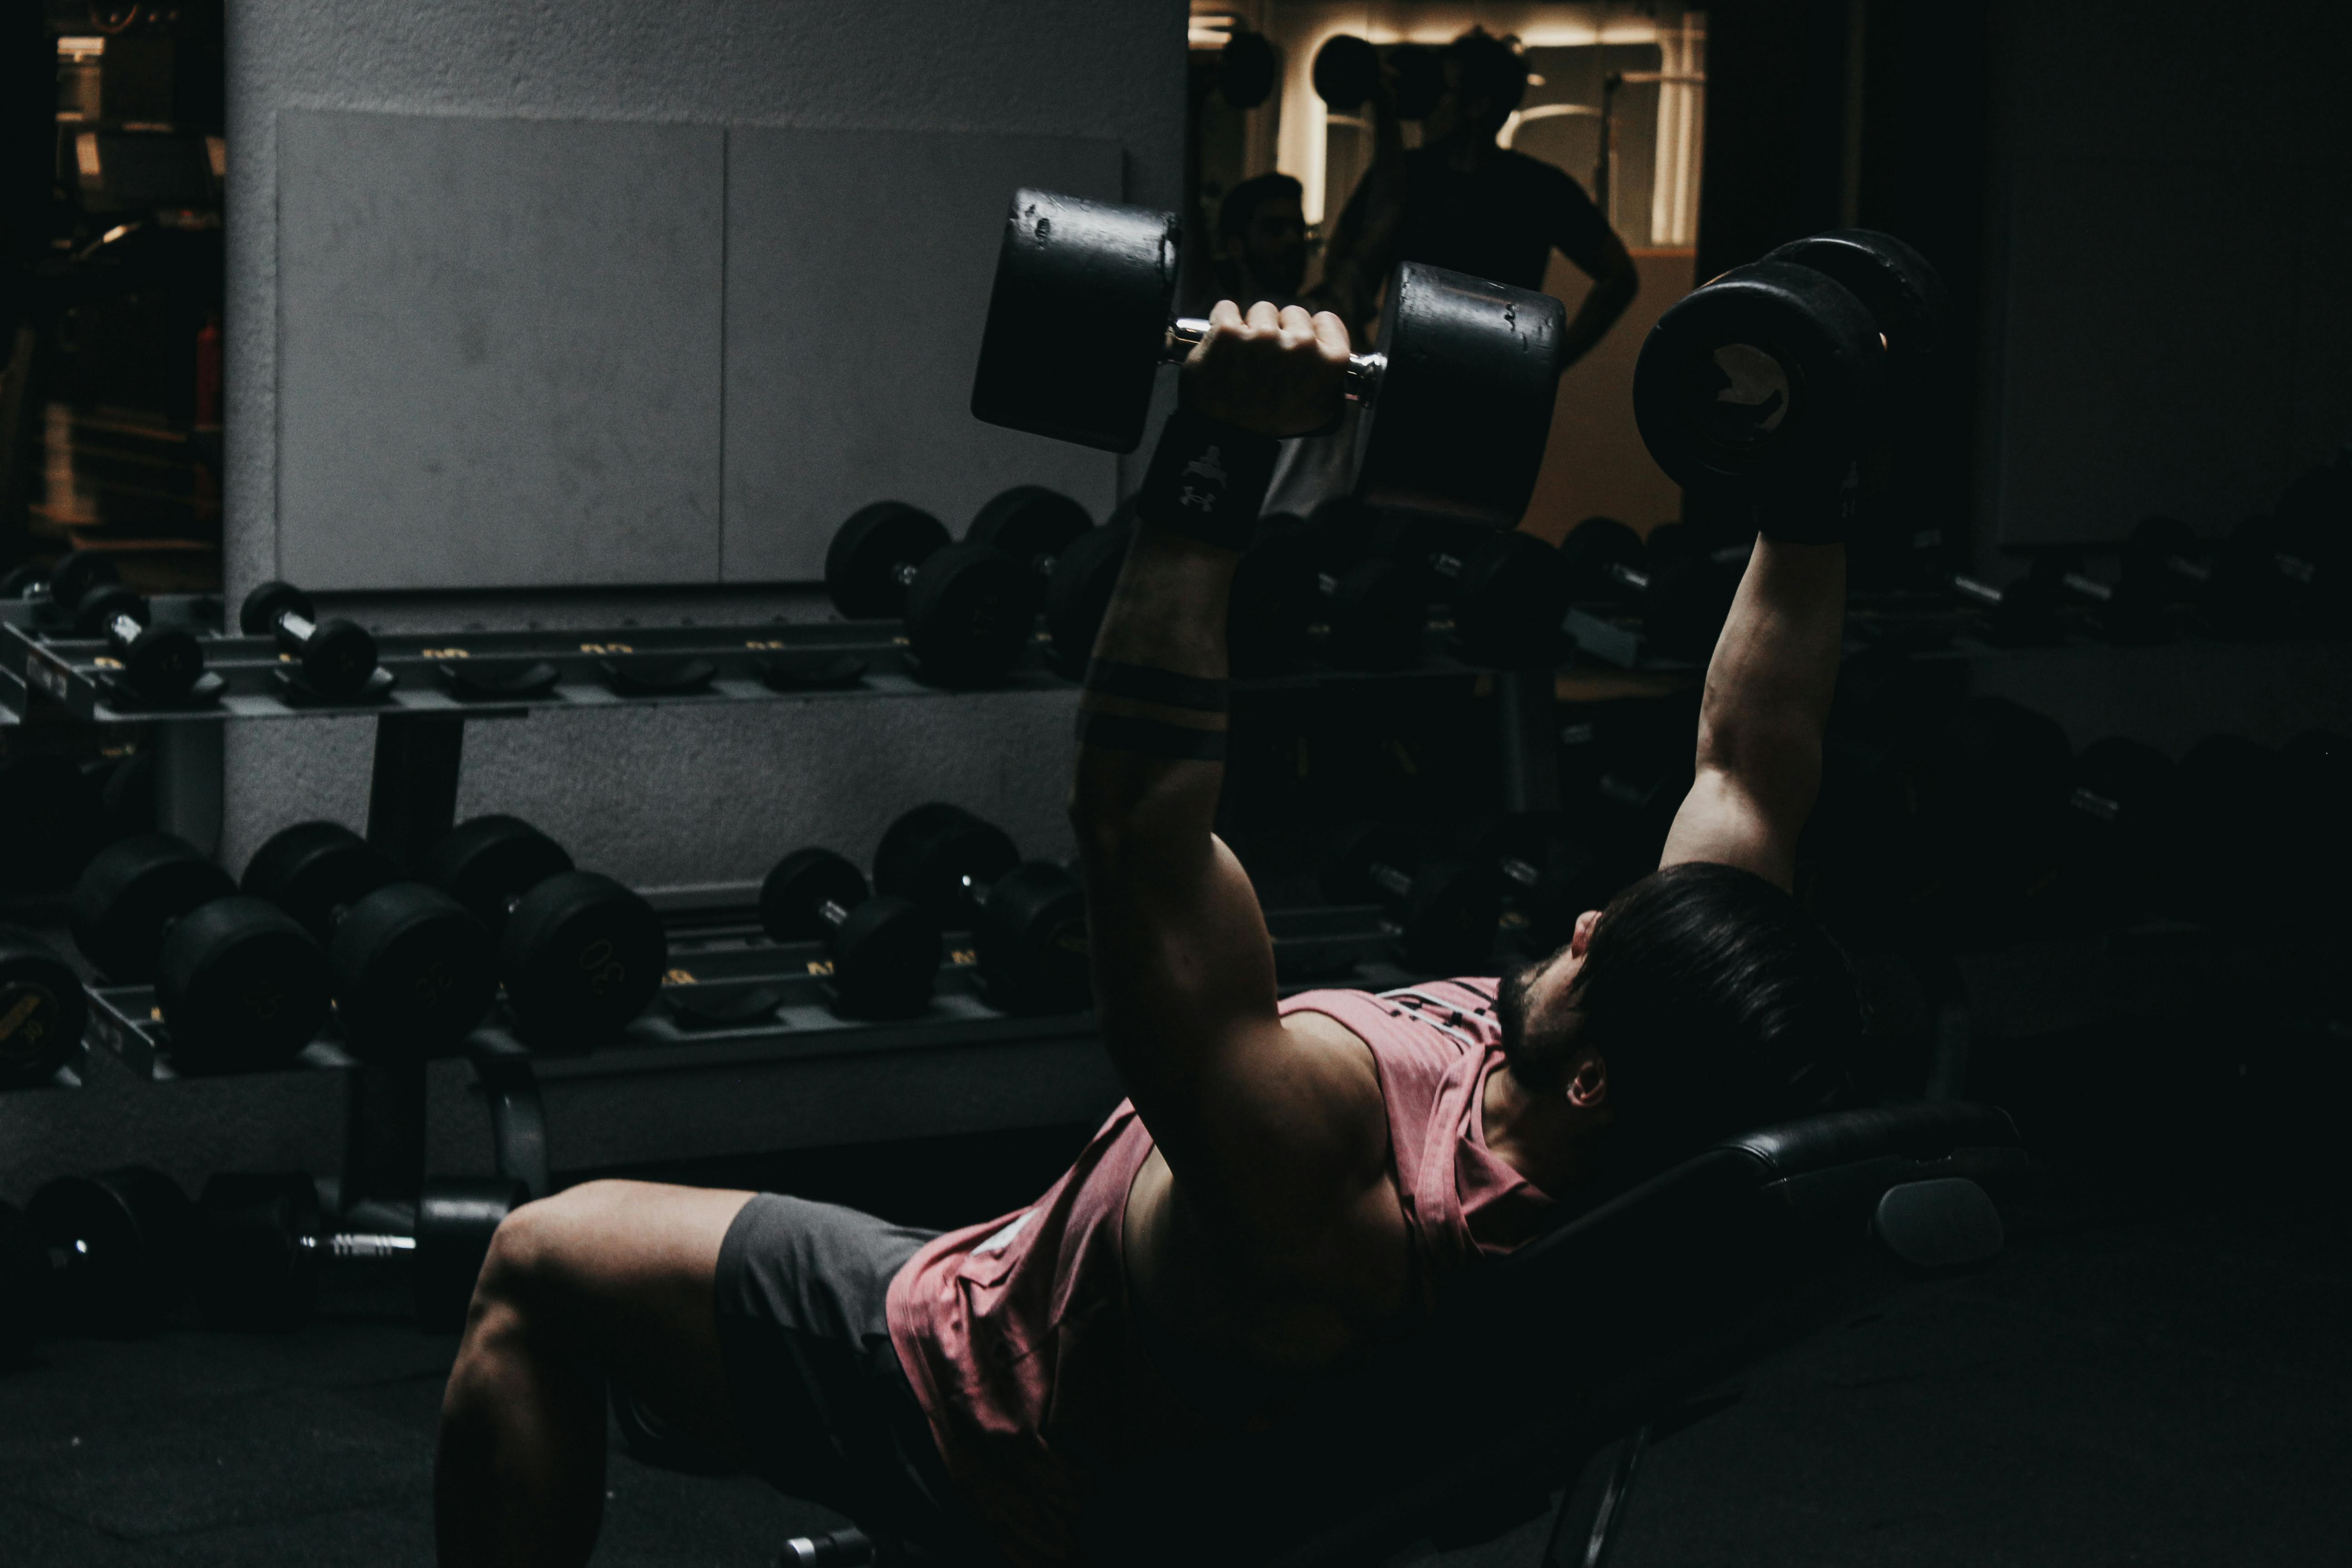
819, 1396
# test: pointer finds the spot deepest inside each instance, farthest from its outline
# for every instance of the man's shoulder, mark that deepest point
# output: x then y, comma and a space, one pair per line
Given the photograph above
1522, 169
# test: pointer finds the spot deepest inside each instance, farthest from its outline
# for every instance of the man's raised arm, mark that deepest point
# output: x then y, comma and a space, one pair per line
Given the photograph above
1183, 969
1760, 720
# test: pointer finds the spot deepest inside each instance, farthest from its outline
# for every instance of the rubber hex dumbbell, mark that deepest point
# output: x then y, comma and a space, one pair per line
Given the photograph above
1548, 876
337, 658
2024, 611
264, 1244
161, 664
1683, 594
2118, 815
973, 607
886, 950
1457, 404
411, 967
2122, 610
1027, 919
42, 1009
1508, 592
1444, 911
581, 954
240, 984
1775, 380
874, 556
63, 582
112, 1252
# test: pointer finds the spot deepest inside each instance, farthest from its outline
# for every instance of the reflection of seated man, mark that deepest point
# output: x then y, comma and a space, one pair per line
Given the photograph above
1460, 202
1262, 241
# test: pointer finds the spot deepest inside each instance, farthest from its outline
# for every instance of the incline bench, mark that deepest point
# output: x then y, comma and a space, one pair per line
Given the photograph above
1464, 1429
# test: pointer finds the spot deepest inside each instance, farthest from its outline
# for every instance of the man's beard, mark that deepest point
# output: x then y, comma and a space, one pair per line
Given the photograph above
1512, 1004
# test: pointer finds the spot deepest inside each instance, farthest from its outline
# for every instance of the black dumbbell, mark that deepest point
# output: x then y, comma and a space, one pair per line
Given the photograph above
61, 582
240, 984
1509, 593
264, 1243
874, 557
1458, 402
161, 664
972, 607
886, 950
1775, 380
1548, 876
337, 658
1027, 919
2023, 611
2119, 816
2121, 610
52, 817
1347, 72
42, 1009
1445, 910
581, 954
1592, 548
412, 968
101, 1255
1682, 593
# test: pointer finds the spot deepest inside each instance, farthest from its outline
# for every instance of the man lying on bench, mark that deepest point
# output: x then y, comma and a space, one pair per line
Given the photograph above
1291, 1184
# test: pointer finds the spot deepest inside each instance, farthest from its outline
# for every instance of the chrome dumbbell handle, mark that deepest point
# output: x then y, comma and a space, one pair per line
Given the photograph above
1185, 332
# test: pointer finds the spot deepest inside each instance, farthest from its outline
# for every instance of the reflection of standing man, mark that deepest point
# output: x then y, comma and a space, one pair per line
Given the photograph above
1461, 202
1262, 232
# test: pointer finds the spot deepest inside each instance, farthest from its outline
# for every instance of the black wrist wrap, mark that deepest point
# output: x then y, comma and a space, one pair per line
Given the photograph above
1207, 480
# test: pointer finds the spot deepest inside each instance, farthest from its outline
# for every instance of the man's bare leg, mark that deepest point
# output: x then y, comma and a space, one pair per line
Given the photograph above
612, 1277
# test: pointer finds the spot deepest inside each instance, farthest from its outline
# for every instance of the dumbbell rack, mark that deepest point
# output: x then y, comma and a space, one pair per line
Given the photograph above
439, 680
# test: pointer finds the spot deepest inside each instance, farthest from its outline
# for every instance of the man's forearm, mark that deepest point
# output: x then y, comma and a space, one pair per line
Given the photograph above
1167, 617
1774, 671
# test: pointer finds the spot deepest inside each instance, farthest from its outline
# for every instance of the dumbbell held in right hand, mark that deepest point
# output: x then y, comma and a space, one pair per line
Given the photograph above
239, 982
1774, 381
337, 658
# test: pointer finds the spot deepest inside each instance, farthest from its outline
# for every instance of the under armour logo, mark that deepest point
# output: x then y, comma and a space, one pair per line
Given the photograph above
1199, 499
1209, 465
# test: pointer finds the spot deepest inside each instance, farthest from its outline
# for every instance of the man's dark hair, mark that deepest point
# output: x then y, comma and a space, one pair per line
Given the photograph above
1716, 1004
1492, 68
1241, 204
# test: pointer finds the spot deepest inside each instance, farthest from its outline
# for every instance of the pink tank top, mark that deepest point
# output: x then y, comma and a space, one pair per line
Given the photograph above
1018, 1336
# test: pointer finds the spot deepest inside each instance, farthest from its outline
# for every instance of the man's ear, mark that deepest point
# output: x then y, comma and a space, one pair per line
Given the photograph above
1582, 937
1588, 1083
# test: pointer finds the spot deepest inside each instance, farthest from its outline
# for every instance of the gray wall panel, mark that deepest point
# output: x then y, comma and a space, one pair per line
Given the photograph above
858, 266
499, 350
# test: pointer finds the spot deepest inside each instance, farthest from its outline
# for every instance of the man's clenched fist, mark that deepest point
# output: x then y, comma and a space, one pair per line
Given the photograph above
1279, 372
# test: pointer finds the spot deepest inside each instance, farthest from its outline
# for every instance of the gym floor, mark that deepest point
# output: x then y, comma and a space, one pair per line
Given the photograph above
2156, 1388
